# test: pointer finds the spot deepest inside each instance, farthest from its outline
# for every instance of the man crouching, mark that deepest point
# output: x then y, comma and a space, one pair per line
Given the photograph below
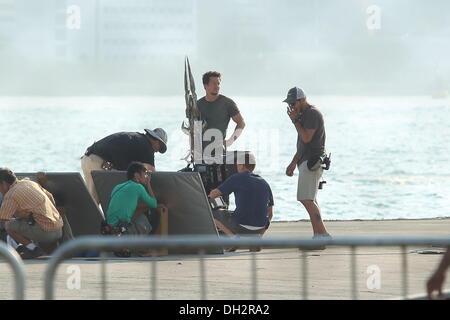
253, 198
124, 209
29, 214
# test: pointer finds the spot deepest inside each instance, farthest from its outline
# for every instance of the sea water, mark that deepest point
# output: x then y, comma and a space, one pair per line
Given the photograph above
390, 155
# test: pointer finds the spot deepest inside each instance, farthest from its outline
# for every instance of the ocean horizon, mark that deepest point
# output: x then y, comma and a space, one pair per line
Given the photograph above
389, 154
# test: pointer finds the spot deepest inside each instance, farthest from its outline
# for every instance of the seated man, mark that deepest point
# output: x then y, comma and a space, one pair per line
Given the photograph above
254, 201
36, 223
124, 209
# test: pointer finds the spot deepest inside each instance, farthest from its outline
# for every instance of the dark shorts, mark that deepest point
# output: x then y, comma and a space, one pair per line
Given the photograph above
225, 217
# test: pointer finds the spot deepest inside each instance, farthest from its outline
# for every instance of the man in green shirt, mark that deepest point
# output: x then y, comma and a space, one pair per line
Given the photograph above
125, 197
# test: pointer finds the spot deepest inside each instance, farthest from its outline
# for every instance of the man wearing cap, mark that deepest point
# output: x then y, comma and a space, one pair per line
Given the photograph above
118, 150
217, 110
308, 122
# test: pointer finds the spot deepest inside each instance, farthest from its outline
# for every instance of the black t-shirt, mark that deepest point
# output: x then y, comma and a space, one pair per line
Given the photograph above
312, 119
122, 148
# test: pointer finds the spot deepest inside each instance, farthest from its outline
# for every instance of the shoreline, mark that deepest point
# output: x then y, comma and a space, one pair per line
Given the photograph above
364, 220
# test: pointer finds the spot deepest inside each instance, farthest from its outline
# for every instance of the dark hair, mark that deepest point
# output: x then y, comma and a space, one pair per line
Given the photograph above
135, 167
210, 74
250, 161
7, 175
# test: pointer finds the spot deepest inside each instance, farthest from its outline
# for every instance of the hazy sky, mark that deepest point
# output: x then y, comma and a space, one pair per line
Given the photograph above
260, 46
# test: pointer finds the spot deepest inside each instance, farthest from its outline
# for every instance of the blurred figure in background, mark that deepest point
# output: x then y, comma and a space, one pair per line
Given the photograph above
437, 280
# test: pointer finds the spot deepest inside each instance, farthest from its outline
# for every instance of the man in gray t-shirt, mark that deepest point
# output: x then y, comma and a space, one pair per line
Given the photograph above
217, 110
309, 124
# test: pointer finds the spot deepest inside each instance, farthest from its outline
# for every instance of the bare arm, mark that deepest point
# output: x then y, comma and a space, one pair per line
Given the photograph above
148, 186
291, 167
240, 125
305, 134
215, 194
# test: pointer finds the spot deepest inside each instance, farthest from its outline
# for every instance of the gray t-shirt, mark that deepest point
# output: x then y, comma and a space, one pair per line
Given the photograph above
311, 119
218, 113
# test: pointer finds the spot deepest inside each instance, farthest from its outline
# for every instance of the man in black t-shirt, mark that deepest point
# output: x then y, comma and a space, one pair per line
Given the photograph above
118, 150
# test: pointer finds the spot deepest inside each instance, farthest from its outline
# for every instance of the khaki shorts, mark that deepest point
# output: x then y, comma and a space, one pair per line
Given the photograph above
34, 232
308, 182
88, 164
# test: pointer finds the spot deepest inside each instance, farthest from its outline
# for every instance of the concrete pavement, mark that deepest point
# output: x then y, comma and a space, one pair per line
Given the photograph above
229, 277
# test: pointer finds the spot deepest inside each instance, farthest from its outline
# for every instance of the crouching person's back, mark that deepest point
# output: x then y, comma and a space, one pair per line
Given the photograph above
29, 215
253, 198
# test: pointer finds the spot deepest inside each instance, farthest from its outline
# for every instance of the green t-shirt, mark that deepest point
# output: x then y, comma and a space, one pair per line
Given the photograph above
218, 113
124, 201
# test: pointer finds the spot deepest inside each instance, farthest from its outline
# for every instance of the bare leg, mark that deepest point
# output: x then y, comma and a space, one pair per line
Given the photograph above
317, 203
222, 227
314, 213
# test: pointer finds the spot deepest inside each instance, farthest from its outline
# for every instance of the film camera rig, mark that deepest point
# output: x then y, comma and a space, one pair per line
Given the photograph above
214, 174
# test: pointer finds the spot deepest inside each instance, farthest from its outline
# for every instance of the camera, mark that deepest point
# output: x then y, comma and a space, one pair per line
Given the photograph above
326, 161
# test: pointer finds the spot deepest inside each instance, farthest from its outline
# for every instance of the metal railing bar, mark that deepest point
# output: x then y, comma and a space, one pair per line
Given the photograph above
153, 271
305, 274
202, 274
254, 277
204, 242
17, 265
404, 272
103, 256
353, 271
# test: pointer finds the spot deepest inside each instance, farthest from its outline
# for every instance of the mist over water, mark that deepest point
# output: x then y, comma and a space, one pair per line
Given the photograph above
76, 71
262, 47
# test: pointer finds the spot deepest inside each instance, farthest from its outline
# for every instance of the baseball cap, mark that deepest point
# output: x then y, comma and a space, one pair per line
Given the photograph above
294, 94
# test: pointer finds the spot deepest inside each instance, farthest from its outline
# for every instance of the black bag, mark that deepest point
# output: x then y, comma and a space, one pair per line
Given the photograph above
323, 161
119, 230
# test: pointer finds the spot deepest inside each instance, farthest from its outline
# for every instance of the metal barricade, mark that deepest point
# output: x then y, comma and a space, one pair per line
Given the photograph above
201, 243
14, 260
